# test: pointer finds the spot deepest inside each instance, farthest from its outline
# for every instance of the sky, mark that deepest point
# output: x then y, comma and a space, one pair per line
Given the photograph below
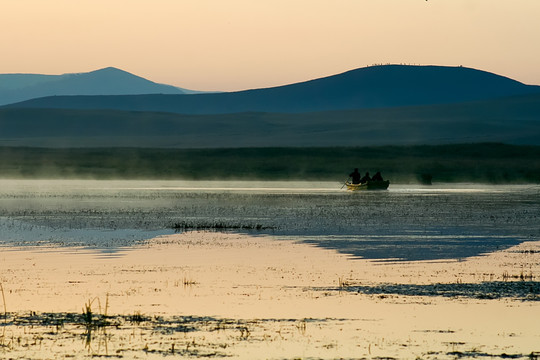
228, 45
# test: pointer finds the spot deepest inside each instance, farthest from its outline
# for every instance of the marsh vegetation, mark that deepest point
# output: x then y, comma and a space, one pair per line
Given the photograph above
480, 163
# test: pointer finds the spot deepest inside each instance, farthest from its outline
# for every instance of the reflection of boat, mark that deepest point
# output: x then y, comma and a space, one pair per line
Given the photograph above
370, 185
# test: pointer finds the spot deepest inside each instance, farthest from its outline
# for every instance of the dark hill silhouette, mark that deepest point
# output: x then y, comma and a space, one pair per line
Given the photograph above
512, 120
370, 87
108, 81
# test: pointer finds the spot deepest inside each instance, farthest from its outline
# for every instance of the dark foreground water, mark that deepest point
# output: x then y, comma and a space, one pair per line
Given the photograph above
404, 223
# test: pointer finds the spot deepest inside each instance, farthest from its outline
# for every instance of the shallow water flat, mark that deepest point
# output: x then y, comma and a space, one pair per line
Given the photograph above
406, 222
250, 270
212, 295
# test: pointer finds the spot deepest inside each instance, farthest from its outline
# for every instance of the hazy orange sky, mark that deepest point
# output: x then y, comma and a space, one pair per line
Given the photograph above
241, 44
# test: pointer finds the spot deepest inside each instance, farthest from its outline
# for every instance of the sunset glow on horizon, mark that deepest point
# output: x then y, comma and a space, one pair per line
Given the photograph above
240, 44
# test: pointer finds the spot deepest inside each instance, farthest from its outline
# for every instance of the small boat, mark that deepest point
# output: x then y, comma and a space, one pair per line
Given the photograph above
370, 185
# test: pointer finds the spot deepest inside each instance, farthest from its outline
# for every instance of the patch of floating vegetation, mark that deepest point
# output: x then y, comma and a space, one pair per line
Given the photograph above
525, 251
478, 354
519, 290
218, 226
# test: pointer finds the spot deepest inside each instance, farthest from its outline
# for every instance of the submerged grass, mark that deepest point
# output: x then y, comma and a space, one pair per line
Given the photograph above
519, 290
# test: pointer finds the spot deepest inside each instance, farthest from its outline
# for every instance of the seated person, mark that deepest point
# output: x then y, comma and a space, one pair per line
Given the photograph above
365, 179
377, 177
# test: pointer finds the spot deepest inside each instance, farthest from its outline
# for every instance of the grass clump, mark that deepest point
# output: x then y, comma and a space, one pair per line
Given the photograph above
217, 226
5, 315
137, 318
92, 320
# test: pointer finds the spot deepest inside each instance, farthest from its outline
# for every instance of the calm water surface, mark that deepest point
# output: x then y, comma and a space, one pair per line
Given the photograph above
407, 222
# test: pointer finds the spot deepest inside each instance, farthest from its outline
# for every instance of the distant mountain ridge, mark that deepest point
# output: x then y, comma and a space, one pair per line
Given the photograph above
107, 81
364, 88
380, 105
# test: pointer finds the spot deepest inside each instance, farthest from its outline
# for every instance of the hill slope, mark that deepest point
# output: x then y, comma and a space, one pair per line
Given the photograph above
514, 120
108, 81
371, 87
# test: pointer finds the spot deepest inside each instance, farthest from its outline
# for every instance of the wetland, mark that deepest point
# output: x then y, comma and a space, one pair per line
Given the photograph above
268, 269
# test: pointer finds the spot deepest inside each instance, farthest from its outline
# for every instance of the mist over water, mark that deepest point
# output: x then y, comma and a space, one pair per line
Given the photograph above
403, 223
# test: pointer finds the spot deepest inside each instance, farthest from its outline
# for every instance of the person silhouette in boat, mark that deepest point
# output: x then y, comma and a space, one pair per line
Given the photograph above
365, 179
355, 175
377, 177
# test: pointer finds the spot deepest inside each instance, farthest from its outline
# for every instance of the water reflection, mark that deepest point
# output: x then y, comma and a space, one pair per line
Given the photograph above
412, 247
105, 242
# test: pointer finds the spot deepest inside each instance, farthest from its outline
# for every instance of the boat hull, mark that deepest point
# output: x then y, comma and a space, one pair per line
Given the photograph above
370, 185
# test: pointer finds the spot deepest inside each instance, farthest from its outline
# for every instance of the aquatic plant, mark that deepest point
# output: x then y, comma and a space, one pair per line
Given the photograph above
217, 226
342, 283
137, 318
301, 325
91, 319
244, 332
5, 314
87, 313
98, 322
189, 282
523, 276
3, 300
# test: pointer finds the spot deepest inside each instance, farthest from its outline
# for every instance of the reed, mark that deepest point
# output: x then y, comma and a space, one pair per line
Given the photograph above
5, 313
3, 300
87, 314
92, 319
